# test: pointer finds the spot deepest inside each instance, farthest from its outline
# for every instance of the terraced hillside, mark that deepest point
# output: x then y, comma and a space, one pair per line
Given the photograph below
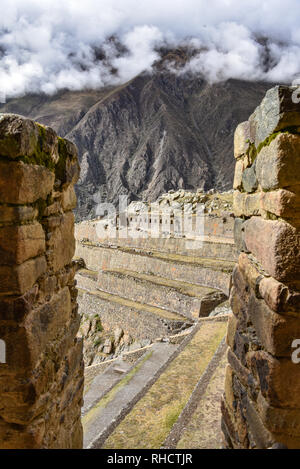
155, 360
135, 290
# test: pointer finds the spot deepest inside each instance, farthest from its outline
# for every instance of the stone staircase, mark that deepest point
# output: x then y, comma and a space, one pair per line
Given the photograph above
170, 392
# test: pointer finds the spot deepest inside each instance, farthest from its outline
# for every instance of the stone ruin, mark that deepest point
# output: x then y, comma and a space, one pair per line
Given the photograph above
261, 408
41, 366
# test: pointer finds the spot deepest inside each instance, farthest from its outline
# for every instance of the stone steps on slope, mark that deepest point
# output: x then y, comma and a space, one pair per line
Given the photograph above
210, 272
180, 297
150, 420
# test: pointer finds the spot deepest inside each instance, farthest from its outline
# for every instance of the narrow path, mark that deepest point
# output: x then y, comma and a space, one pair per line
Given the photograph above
104, 382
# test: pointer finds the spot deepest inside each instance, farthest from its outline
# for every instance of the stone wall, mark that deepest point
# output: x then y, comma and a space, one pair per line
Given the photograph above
41, 367
217, 242
261, 406
208, 273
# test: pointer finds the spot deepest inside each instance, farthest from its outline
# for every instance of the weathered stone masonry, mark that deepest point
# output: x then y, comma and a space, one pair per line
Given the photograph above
261, 406
41, 381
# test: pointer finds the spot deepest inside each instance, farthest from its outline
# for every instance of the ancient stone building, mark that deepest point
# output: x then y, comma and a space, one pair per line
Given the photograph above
261, 407
41, 367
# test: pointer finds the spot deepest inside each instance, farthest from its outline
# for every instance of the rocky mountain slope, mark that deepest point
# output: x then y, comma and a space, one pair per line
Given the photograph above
155, 133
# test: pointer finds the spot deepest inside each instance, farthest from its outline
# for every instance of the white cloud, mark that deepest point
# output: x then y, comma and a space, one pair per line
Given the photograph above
51, 44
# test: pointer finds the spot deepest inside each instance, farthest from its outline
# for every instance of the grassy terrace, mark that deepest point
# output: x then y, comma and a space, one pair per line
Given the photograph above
152, 418
210, 263
203, 431
183, 287
164, 313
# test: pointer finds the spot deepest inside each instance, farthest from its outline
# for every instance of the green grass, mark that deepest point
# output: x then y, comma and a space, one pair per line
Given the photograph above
203, 431
151, 420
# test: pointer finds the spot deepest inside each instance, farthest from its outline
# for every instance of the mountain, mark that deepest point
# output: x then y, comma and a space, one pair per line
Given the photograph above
157, 132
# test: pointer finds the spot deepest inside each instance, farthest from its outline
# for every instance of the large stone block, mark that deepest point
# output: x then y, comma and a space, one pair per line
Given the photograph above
252, 205
47, 323
252, 276
275, 245
22, 138
246, 204
229, 396
231, 330
282, 203
67, 170
238, 174
242, 138
239, 308
244, 374
18, 136
15, 308
61, 242
238, 203
278, 420
241, 346
69, 199
24, 183
240, 421
277, 111
259, 436
279, 378
274, 293
16, 280
238, 232
278, 164
20, 243
13, 436
228, 425
17, 402
249, 180
275, 332
240, 283
17, 214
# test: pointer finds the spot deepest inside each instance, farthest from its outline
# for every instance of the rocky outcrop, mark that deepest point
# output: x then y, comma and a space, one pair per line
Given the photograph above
41, 369
156, 133
261, 405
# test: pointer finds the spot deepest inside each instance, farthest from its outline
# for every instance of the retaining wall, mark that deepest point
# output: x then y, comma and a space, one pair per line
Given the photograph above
41, 374
209, 273
261, 407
